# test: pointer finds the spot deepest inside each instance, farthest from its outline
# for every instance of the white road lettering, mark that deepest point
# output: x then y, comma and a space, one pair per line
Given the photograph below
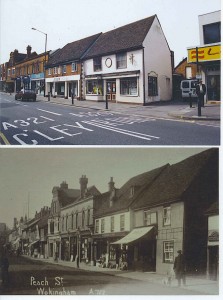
35, 120
79, 126
49, 112
123, 131
22, 122
8, 125
15, 136
64, 130
48, 137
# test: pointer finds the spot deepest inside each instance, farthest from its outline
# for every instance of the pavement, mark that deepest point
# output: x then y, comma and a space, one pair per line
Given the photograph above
176, 109
195, 283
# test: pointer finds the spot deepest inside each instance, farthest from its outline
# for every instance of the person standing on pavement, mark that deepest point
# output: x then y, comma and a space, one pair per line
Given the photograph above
201, 91
180, 268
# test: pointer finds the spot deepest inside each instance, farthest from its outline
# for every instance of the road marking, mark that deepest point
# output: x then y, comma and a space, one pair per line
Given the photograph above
49, 112
4, 139
123, 131
47, 118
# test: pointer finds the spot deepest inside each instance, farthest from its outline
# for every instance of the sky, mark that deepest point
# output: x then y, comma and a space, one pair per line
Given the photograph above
29, 174
69, 20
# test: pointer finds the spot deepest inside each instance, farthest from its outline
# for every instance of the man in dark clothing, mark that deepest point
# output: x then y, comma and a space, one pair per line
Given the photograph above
201, 91
180, 268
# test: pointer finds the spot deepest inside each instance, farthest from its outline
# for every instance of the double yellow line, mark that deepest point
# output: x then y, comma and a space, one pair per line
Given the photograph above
2, 137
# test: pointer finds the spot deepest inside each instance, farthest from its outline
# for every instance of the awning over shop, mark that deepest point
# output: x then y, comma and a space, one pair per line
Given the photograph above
134, 235
16, 241
33, 243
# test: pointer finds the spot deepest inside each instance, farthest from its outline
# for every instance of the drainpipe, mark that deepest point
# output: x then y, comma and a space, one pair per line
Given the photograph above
143, 70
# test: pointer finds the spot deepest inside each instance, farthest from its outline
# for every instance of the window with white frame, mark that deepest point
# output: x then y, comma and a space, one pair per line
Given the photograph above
55, 70
152, 86
94, 87
102, 225
58, 71
73, 67
128, 86
121, 60
122, 222
150, 218
112, 223
49, 71
168, 251
97, 64
166, 216
64, 70
97, 226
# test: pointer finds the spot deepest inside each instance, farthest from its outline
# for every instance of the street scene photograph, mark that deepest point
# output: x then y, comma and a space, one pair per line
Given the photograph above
109, 221
137, 72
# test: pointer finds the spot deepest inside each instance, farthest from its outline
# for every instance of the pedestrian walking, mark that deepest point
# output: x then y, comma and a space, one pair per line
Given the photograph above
201, 92
180, 268
4, 269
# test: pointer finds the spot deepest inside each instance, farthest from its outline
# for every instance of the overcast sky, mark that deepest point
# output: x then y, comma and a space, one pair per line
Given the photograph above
69, 20
31, 173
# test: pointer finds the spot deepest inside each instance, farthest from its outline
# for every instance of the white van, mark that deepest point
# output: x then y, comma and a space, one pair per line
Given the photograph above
188, 86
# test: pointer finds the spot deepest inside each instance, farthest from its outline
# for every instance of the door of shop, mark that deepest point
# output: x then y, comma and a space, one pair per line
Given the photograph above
111, 90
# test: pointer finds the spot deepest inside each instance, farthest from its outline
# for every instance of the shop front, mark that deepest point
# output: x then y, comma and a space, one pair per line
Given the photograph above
38, 83
208, 61
63, 86
138, 249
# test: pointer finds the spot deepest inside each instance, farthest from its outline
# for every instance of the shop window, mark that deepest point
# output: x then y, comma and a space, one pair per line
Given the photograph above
128, 86
166, 216
97, 64
74, 67
212, 33
94, 87
102, 225
97, 226
121, 60
112, 224
152, 86
122, 222
168, 251
150, 218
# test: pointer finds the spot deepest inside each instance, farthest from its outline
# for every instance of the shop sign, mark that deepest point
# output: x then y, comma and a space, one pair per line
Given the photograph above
209, 53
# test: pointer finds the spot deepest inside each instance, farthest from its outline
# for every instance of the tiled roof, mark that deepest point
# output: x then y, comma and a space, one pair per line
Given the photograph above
72, 51
130, 36
123, 197
174, 181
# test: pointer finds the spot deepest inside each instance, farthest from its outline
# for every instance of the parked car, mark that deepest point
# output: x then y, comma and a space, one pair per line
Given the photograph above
188, 87
26, 95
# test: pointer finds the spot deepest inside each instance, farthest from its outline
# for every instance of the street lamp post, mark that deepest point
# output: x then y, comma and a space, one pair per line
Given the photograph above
45, 53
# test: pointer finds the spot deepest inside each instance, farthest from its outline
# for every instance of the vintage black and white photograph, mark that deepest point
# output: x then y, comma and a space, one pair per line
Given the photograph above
100, 72
109, 221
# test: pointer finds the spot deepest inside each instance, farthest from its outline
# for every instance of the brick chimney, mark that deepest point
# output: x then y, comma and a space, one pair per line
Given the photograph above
111, 185
29, 49
64, 185
83, 185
